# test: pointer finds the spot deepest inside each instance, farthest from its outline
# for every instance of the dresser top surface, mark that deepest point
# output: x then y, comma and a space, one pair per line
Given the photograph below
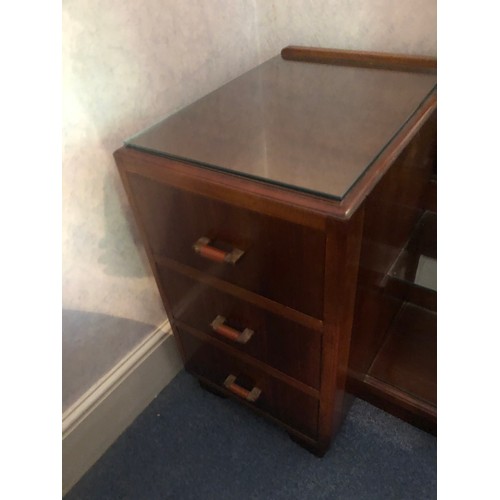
311, 127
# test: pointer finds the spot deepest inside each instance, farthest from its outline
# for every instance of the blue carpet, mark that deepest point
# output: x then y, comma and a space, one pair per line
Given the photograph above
190, 444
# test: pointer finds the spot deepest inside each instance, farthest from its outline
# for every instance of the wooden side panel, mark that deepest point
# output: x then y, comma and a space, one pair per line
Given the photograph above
407, 360
392, 212
341, 267
392, 362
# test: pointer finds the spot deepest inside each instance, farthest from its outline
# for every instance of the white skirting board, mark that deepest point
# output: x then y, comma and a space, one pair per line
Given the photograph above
96, 420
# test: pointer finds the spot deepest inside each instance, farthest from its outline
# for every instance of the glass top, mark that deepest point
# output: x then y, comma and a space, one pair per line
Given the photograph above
311, 127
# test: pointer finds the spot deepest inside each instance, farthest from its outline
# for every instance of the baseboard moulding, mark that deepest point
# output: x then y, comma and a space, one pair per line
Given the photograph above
94, 422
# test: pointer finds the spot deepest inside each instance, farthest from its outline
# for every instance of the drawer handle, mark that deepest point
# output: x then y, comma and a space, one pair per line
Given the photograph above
230, 333
202, 247
252, 396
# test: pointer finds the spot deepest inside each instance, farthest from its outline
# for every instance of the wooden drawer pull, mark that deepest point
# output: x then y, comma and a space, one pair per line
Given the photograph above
252, 396
230, 333
202, 247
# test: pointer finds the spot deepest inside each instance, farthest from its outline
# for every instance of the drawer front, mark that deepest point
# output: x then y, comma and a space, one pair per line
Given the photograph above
287, 404
280, 343
281, 260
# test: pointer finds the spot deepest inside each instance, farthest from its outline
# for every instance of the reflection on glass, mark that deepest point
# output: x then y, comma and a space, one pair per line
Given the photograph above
312, 127
418, 264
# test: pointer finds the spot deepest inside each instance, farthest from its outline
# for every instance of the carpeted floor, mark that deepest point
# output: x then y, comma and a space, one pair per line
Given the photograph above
189, 444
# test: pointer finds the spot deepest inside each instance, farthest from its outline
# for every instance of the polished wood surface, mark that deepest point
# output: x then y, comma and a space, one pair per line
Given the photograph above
403, 280
341, 267
392, 212
280, 343
407, 360
241, 293
393, 400
281, 261
399, 62
278, 399
394, 328
250, 360
281, 298
304, 440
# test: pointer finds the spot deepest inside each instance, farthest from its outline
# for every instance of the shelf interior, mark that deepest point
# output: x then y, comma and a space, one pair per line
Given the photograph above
413, 276
408, 358
401, 374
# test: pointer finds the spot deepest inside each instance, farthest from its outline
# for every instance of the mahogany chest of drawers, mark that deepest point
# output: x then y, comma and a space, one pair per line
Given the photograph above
273, 212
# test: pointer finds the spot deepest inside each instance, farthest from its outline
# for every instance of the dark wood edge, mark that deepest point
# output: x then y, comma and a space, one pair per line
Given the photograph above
357, 58
303, 437
317, 449
381, 165
402, 396
288, 204
395, 401
415, 294
246, 358
342, 253
149, 252
262, 197
314, 324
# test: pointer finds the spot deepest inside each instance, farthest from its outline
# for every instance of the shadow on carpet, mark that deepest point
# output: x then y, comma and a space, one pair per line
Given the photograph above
190, 444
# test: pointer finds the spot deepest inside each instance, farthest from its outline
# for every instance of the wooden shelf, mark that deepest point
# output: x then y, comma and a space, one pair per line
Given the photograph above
413, 275
407, 360
399, 374
402, 377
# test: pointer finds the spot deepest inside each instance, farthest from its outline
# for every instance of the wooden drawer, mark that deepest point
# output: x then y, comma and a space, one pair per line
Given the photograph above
281, 261
285, 345
279, 400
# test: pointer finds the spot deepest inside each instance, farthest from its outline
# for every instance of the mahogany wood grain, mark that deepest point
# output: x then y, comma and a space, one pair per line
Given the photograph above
395, 203
392, 360
299, 437
148, 249
397, 62
407, 360
282, 261
412, 293
402, 281
392, 212
375, 312
365, 185
430, 199
249, 360
393, 400
425, 240
241, 293
277, 399
341, 267
277, 342
267, 199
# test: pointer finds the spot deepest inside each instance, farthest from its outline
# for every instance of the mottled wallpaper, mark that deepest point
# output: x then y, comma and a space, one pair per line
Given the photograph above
405, 26
128, 64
